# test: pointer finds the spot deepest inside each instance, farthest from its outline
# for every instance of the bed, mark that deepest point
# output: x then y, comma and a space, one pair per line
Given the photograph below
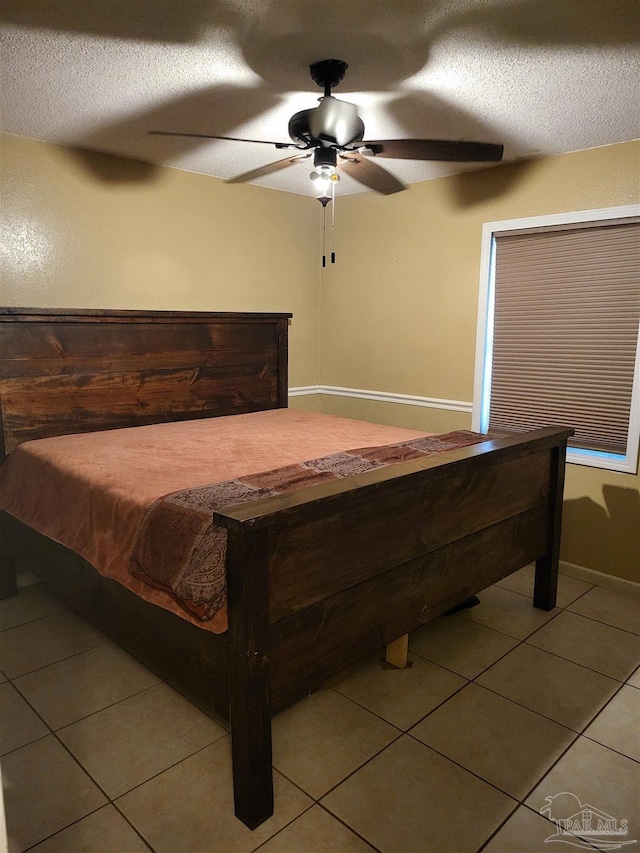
316, 578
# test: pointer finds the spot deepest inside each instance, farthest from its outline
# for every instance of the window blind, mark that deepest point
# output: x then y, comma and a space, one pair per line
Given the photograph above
567, 309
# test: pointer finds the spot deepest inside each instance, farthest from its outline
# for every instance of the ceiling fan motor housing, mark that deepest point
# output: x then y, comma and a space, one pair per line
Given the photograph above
299, 128
333, 124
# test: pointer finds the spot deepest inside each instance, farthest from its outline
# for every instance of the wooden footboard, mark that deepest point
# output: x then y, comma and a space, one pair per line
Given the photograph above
345, 567
350, 566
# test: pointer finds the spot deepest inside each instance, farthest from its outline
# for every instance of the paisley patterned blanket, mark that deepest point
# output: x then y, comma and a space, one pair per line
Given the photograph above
182, 552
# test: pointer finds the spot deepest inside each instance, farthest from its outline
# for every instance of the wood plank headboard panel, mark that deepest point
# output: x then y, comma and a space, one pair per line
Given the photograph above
67, 370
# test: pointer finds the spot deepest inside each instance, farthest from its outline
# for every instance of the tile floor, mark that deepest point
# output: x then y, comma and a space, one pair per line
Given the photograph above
506, 711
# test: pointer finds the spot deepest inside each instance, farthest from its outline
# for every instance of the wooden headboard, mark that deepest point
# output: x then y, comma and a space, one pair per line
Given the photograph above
66, 370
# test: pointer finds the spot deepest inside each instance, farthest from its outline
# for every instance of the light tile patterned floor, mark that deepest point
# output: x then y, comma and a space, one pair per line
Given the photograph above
506, 711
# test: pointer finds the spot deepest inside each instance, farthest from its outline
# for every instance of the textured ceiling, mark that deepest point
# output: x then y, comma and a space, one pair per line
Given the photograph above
540, 76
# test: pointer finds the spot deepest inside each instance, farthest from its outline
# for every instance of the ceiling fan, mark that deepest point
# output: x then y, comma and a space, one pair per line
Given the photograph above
332, 134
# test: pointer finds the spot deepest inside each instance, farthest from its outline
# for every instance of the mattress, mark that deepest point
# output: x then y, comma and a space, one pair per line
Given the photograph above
93, 492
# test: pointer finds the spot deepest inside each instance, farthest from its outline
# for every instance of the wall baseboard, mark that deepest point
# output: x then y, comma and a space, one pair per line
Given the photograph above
615, 584
304, 390
382, 397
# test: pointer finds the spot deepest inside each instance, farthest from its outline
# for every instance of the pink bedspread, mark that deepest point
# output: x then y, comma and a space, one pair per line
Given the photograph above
90, 492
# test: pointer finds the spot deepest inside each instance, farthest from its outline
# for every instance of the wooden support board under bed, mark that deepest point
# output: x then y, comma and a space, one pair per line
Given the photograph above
316, 578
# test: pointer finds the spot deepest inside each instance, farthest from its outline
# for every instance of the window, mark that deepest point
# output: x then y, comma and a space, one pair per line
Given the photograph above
558, 331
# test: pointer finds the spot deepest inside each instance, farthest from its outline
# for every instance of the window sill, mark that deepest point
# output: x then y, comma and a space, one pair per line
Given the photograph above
609, 461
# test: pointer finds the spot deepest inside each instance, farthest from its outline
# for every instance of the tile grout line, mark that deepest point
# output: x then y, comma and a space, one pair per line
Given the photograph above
132, 825
552, 823
51, 663
93, 713
511, 637
305, 811
487, 668
350, 828
77, 761
564, 752
579, 615
578, 732
568, 660
63, 609
530, 594
466, 769
523, 803
63, 828
524, 642
559, 758
575, 613
605, 746
497, 829
604, 707
424, 746
113, 801
22, 746
519, 642
287, 824
357, 769
164, 769
437, 752
601, 622
384, 719
94, 811
35, 618
38, 715
508, 652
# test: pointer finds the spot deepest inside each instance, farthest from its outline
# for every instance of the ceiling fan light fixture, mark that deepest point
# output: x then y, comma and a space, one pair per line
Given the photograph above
324, 180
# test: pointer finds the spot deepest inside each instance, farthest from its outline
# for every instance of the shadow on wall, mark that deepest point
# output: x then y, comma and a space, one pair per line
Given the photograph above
470, 188
607, 538
109, 167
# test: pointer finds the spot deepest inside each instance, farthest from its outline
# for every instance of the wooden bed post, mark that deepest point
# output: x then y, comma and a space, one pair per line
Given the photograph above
249, 670
546, 582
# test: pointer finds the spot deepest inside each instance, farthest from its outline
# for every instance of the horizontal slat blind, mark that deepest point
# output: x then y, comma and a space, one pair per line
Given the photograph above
567, 308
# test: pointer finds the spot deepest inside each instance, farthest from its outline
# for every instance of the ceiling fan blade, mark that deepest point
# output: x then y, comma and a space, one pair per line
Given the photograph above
371, 175
229, 138
435, 149
261, 171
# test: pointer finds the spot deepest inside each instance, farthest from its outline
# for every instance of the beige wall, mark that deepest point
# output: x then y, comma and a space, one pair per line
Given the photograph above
88, 230
399, 309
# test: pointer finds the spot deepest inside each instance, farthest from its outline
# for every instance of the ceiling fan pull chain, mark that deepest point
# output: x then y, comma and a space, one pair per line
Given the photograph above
324, 235
333, 222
